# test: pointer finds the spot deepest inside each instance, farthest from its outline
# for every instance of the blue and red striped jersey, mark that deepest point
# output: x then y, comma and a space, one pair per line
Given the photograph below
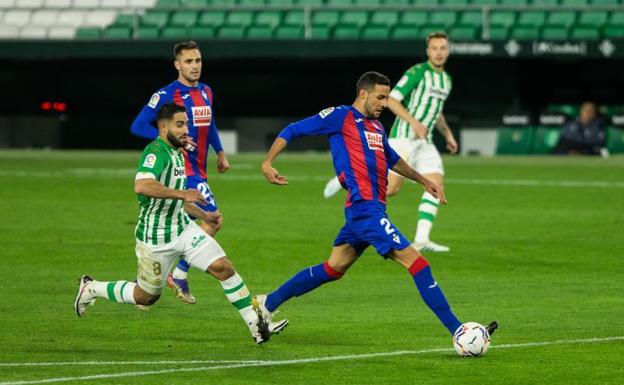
202, 127
359, 147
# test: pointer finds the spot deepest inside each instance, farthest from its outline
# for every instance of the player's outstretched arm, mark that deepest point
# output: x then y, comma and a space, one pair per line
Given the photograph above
445, 130
270, 173
397, 108
212, 218
154, 189
401, 167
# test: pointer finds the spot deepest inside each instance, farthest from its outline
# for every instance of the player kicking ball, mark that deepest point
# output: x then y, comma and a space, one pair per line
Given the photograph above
165, 232
361, 157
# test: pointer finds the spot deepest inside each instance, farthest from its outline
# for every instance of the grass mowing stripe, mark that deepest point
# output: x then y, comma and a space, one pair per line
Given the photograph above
303, 361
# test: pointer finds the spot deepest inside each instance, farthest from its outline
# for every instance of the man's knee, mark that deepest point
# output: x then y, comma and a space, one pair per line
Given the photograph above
222, 269
141, 297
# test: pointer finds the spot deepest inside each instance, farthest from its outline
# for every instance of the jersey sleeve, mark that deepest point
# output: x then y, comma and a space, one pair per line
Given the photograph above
324, 123
213, 134
406, 84
152, 163
144, 124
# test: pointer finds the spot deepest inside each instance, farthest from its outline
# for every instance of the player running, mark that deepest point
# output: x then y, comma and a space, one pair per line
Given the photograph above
362, 157
165, 232
417, 100
197, 97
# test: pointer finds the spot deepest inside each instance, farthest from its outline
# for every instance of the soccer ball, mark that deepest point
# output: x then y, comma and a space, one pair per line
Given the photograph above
471, 340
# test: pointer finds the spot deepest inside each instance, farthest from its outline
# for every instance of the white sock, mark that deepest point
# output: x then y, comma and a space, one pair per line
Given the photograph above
181, 269
427, 211
237, 293
118, 291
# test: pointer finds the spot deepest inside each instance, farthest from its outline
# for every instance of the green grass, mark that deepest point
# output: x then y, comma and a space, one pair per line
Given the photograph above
544, 260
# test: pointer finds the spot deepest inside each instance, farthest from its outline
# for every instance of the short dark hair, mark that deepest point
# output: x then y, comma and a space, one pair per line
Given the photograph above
167, 111
436, 35
369, 80
179, 47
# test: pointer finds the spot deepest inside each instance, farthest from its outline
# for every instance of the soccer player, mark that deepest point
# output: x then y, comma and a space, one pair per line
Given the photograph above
361, 157
417, 100
165, 231
197, 97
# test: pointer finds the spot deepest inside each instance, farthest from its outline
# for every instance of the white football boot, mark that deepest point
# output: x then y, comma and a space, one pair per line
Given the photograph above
332, 187
430, 246
85, 296
274, 327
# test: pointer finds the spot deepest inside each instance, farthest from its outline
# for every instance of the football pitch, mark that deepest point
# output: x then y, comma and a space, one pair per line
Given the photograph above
536, 243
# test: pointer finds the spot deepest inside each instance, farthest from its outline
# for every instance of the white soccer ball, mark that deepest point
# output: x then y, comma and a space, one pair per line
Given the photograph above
471, 340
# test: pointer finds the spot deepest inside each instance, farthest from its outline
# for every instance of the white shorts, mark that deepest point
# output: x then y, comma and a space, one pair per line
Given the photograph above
418, 153
154, 262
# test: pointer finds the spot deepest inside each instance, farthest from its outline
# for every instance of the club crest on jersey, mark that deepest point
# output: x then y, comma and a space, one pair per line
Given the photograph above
374, 140
323, 114
154, 100
202, 116
150, 161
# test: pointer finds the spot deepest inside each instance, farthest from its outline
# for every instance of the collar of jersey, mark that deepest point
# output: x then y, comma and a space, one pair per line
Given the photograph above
167, 144
179, 84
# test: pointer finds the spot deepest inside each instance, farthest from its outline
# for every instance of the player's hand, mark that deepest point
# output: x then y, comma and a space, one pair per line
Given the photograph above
214, 219
222, 163
436, 191
419, 129
194, 196
451, 144
190, 144
272, 175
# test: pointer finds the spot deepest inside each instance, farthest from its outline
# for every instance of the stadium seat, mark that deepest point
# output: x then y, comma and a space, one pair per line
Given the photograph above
113, 3
211, 18
463, 33
615, 140
502, 18
357, 18
593, 18
239, 18
430, 3
88, 33
147, 33
259, 33
9, 32
183, 18
405, 33
231, 33
320, 32
268, 18
613, 32
585, 33
124, 20
87, 3
224, 3
140, 3
33, 32
550, 3
515, 3
280, 2
457, 3
387, 18
16, 18
201, 32
471, 18
524, 33
309, 2
531, 19
62, 33
395, 2
377, 32
426, 30
63, 4
29, 4
413, 18
604, 2
251, 3
574, 3
484, 2
44, 17
339, 3
168, 3
289, 33
173, 32
325, 18
367, 3
7, 4
554, 33
442, 18
155, 18
514, 141
71, 18
195, 3
499, 33
294, 18
117, 33
561, 18
344, 32
100, 18
545, 140
617, 18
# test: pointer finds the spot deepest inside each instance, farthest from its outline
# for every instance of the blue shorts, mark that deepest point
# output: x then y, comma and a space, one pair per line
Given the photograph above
368, 224
201, 185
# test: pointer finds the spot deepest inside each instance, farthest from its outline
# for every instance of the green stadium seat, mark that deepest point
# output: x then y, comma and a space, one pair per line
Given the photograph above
251, 3
183, 18
320, 32
294, 18
617, 18
464, 33
585, 33
148, 33
549, 3
593, 18
173, 32
413, 18
444, 18
561, 18
309, 2
195, 3
515, 3
339, 3
124, 20
289, 33
499, 33
554, 33
280, 2
359, 18
396, 2
325, 18
524, 33
268, 18
239, 18
201, 32
531, 19
615, 140
613, 32
212, 18
88, 33
502, 18
426, 30
224, 3
231, 33
545, 140
430, 3
368, 3
484, 2
514, 141
574, 3
569, 110
343, 32
604, 2
117, 33
458, 3
155, 18
389, 18
471, 18
377, 32
405, 33
259, 33
168, 3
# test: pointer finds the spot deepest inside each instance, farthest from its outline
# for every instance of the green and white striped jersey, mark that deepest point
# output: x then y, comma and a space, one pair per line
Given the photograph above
161, 220
422, 91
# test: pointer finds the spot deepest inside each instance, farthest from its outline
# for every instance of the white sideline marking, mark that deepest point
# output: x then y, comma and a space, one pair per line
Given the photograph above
301, 361
108, 363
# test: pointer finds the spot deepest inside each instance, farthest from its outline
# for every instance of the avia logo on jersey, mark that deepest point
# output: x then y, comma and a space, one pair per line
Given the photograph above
179, 171
439, 93
202, 116
375, 140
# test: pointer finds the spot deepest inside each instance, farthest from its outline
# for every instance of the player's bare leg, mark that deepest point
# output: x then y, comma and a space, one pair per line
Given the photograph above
427, 211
